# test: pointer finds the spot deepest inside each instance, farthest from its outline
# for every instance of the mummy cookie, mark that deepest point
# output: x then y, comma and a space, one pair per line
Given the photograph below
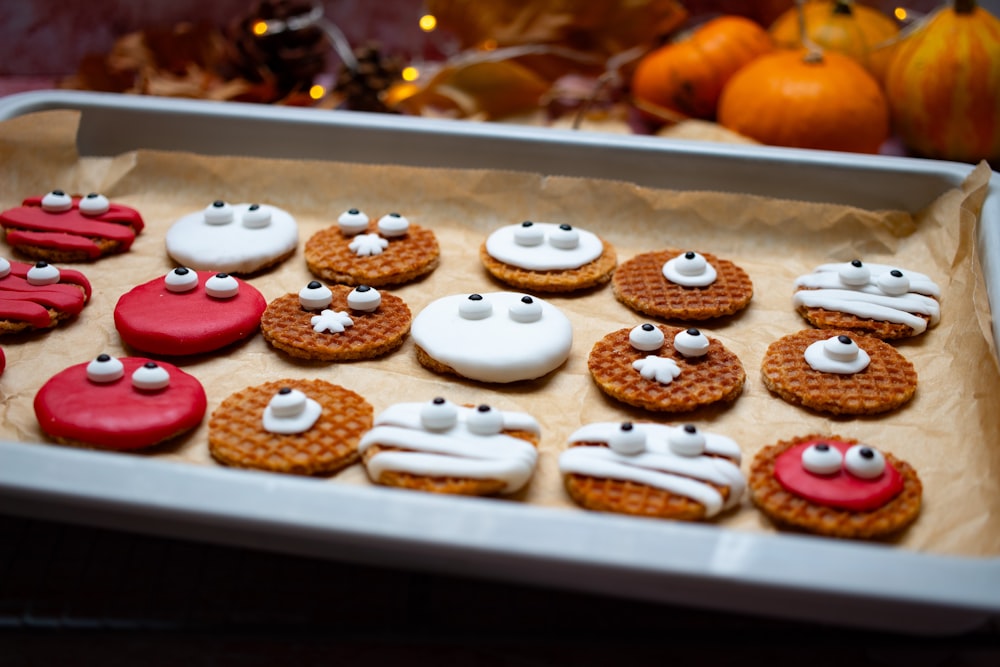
665, 369
39, 295
838, 372
670, 472
441, 447
233, 238
337, 323
835, 486
119, 403
682, 285
494, 337
548, 257
361, 251
58, 227
872, 299
188, 312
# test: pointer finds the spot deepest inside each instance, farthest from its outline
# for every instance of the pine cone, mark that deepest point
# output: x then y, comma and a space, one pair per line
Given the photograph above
362, 87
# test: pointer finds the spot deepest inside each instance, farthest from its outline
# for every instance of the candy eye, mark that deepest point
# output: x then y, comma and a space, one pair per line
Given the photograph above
691, 264
393, 224
438, 415
315, 296
484, 420
56, 201
691, 343
181, 279
854, 273
646, 337
94, 204
864, 462
475, 308
105, 368
526, 310
4, 267
841, 348
364, 298
564, 237
218, 213
150, 377
894, 282
687, 441
287, 402
529, 234
256, 217
352, 221
42, 273
627, 440
222, 286
290, 411
822, 458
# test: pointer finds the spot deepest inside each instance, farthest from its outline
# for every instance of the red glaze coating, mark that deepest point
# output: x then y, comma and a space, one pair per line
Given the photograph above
3, 362
21, 301
116, 415
841, 489
153, 319
70, 230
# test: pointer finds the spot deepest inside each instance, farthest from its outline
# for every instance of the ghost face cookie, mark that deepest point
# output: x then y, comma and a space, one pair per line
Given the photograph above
39, 295
58, 227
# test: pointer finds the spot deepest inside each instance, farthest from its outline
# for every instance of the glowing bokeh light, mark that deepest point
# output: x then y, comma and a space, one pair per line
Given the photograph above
317, 92
410, 73
900, 13
428, 22
259, 28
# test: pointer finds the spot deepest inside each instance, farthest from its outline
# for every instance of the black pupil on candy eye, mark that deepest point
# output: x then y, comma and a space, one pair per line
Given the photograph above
856, 263
896, 273
527, 223
59, 193
394, 215
254, 207
690, 428
822, 447
475, 297
438, 401
103, 357
181, 271
565, 228
527, 299
689, 255
221, 275
92, 195
483, 408
313, 285
693, 332
866, 453
627, 426
284, 391
353, 211
218, 203
41, 265
363, 288
844, 340
647, 327
149, 364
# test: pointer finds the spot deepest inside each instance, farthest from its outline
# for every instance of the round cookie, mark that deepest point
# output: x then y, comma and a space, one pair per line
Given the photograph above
654, 470
61, 228
359, 251
832, 486
871, 299
336, 323
39, 295
122, 404
665, 369
303, 427
682, 285
441, 447
838, 372
188, 312
547, 257
494, 337
233, 238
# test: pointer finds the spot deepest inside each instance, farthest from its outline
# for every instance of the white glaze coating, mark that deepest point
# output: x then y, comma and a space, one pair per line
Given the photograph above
290, 412
689, 269
457, 451
662, 369
502, 245
659, 466
833, 356
42, 273
496, 348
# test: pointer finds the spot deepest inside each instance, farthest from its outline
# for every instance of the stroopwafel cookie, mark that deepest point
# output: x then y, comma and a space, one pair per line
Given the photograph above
303, 427
843, 373
835, 486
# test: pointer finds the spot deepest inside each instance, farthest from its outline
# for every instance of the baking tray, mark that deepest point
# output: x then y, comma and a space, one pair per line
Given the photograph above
865, 585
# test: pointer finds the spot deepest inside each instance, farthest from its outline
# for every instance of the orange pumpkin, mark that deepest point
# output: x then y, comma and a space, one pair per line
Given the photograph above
944, 85
807, 99
864, 33
687, 76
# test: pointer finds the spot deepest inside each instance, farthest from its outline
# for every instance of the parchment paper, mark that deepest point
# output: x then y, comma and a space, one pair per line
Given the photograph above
948, 431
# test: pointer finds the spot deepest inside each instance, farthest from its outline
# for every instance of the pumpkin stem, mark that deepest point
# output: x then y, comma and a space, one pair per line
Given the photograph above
843, 7
815, 53
964, 6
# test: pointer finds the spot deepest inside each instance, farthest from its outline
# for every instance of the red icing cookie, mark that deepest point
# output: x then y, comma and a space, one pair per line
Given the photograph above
39, 296
3, 362
113, 412
155, 318
59, 227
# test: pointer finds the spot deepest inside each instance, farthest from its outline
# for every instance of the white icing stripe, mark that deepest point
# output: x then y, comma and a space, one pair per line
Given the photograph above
828, 275
407, 415
657, 437
543, 257
897, 309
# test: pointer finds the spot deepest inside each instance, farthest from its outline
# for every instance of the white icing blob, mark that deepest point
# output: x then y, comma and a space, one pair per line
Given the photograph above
854, 273
43, 273
894, 283
222, 286
393, 225
864, 462
838, 354
495, 348
4, 267
526, 310
689, 269
94, 204
331, 321
218, 213
438, 415
529, 234
150, 377
364, 299
352, 221
628, 440
662, 369
56, 201
686, 441
105, 368
484, 420
366, 245
503, 245
290, 411
181, 279
691, 343
475, 307
646, 337
822, 459
315, 296
256, 216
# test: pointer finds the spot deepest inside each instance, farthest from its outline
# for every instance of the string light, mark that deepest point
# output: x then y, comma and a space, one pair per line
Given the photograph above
317, 92
259, 28
489, 45
410, 73
900, 13
428, 22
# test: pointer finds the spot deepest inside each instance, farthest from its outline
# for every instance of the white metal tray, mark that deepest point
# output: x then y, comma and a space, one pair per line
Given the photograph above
870, 586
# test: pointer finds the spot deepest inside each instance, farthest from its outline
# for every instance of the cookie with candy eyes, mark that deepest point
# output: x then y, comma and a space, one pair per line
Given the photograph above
58, 227
378, 253
838, 372
337, 323
548, 257
233, 238
682, 285
302, 427
39, 296
665, 369
122, 404
654, 470
441, 447
188, 312
835, 486
492, 337
871, 299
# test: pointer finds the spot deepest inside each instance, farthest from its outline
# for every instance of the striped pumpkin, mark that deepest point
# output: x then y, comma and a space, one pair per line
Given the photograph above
944, 85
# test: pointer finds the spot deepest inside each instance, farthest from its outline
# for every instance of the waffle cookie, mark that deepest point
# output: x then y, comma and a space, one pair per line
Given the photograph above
357, 251
838, 372
653, 470
834, 486
546, 257
441, 447
39, 296
303, 427
682, 285
336, 323
58, 227
665, 369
